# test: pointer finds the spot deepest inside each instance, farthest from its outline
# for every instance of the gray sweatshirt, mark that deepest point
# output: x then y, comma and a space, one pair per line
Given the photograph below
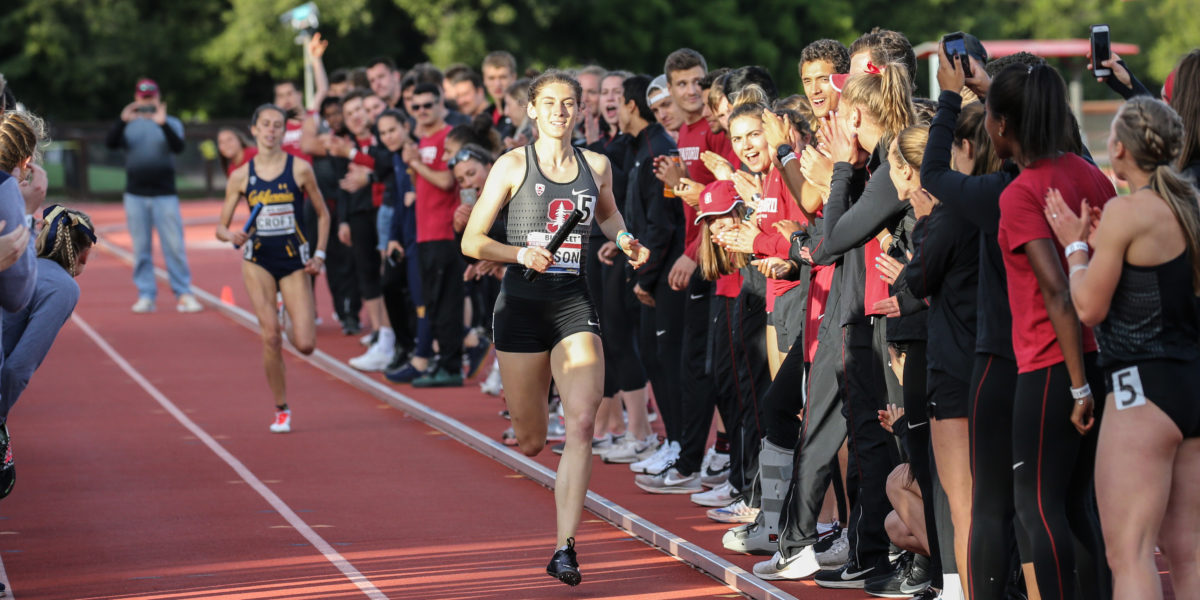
29, 332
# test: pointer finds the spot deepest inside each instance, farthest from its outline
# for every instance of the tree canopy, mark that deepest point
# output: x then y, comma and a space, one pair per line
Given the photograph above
79, 59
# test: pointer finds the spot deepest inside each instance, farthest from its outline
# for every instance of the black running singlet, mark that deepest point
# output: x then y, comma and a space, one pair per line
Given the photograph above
535, 213
1153, 315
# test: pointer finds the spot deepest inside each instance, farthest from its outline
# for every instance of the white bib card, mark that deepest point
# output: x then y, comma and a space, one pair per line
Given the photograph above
567, 259
276, 219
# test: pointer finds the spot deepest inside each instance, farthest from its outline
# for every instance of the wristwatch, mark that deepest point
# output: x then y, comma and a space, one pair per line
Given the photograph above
783, 150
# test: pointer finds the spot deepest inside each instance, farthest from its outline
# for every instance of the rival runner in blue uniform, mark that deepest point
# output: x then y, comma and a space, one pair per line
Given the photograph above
277, 257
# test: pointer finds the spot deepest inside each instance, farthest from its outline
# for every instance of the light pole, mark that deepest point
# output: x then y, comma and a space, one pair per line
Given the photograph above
304, 20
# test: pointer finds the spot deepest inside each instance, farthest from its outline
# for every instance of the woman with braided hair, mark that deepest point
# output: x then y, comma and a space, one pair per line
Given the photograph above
1139, 290
63, 246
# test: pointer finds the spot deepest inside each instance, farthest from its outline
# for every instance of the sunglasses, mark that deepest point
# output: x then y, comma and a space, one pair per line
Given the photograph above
416, 107
147, 87
467, 154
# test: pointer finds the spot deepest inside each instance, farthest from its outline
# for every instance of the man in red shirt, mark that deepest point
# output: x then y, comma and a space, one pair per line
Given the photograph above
437, 251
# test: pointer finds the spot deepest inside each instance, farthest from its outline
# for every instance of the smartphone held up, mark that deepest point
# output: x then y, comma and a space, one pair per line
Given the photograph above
1101, 50
956, 49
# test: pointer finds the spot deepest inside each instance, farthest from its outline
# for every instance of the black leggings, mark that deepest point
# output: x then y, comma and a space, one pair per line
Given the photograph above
917, 444
661, 340
620, 323
993, 516
364, 239
1052, 479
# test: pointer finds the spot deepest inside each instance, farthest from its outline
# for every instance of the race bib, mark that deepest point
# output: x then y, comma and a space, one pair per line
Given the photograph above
1127, 388
566, 260
276, 219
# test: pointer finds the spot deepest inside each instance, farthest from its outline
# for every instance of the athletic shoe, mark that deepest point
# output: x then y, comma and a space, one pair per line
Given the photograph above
667, 454
188, 304
475, 355
8, 472
439, 378
751, 538
509, 437
849, 576
722, 495
602, 445
910, 575
350, 326
734, 512
369, 339
492, 385
556, 430
400, 357
670, 481
282, 422
837, 552
799, 566
564, 566
375, 359
714, 471
143, 305
931, 594
405, 374
628, 449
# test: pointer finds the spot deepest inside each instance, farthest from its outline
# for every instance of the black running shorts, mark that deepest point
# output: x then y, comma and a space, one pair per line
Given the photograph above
947, 396
1172, 385
537, 325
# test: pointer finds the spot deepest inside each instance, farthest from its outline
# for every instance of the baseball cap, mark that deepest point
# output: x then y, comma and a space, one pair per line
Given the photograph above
975, 48
145, 88
718, 198
1169, 87
657, 90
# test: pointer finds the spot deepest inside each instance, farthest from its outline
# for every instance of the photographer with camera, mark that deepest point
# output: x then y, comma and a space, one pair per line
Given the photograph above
149, 138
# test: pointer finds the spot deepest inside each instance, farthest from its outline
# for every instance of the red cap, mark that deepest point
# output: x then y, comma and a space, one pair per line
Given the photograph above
146, 88
718, 198
1169, 87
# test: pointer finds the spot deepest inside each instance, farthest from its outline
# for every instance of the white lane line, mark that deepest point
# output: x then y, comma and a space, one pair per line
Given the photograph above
254, 482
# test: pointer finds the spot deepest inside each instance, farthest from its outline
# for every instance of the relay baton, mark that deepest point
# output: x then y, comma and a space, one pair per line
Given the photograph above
250, 222
560, 236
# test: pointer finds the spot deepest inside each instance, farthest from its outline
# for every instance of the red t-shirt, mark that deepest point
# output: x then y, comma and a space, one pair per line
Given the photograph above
435, 206
247, 154
291, 139
693, 140
1022, 220
776, 205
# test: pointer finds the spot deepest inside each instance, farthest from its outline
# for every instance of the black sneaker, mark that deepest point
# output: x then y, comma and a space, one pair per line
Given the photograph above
439, 378
8, 473
400, 357
927, 594
850, 575
476, 355
563, 566
351, 326
910, 575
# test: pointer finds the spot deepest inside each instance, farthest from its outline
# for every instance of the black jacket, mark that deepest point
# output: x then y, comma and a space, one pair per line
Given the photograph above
945, 268
657, 221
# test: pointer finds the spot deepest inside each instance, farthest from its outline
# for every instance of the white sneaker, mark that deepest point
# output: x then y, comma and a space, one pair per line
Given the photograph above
800, 566
735, 512
628, 449
492, 385
602, 445
369, 339
721, 495
188, 304
376, 358
670, 481
556, 429
282, 422
667, 453
714, 471
143, 305
837, 554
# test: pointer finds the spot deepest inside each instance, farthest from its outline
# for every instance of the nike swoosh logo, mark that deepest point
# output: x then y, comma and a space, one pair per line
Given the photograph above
576, 193
1018, 465
709, 472
916, 425
695, 296
593, 324
660, 332
847, 575
669, 480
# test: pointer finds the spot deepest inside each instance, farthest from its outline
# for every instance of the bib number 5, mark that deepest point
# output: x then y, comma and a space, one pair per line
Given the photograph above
1127, 388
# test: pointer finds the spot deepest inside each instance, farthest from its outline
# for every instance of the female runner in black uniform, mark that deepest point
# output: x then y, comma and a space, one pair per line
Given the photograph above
548, 328
1139, 289
276, 252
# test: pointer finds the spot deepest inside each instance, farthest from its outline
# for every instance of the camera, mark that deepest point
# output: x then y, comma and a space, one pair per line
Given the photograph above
303, 18
146, 109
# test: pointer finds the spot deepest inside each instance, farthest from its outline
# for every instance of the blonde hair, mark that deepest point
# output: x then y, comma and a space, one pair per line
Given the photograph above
887, 96
1153, 134
714, 260
22, 135
73, 232
910, 145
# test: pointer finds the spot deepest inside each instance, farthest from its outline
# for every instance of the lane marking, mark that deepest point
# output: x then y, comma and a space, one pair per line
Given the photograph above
338, 561
620, 517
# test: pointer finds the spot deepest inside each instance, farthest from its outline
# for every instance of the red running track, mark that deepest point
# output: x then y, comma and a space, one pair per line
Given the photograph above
117, 498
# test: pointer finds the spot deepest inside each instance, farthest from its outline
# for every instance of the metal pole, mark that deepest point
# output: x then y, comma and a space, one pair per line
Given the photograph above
309, 92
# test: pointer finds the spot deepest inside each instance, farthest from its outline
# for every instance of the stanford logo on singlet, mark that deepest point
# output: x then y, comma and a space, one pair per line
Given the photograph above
557, 212
539, 188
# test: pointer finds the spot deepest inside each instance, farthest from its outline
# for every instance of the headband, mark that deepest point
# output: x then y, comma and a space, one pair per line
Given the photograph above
56, 214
